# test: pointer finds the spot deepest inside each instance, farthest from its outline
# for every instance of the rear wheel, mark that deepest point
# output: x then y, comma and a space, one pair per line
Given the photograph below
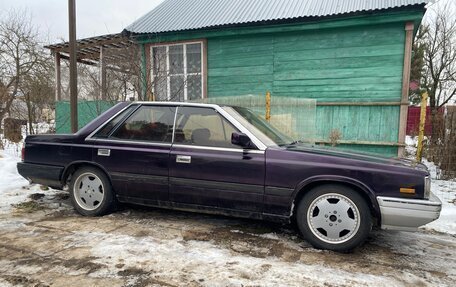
334, 217
91, 192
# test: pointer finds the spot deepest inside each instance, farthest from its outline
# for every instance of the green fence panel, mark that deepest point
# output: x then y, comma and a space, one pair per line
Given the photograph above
87, 111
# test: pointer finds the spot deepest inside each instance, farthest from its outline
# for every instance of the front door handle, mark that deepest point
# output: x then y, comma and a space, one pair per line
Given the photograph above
183, 159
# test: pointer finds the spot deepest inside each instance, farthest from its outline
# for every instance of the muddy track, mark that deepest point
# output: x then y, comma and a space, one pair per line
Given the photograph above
151, 247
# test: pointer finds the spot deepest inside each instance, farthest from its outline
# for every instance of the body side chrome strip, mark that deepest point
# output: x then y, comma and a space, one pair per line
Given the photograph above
384, 200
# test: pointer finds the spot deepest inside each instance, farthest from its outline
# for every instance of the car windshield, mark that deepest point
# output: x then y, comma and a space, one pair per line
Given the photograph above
258, 126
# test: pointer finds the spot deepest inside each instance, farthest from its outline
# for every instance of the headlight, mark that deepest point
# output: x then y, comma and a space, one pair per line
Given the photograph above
427, 187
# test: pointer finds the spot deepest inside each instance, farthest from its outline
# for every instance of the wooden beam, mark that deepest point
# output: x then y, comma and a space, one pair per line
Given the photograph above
360, 103
73, 66
58, 79
90, 63
83, 45
409, 26
356, 142
65, 57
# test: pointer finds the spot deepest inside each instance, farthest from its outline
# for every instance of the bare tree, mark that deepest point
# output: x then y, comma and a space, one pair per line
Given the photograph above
38, 91
439, 68
18, 55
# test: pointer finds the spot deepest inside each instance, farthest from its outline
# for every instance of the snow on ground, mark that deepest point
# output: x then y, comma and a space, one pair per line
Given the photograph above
446, 191
14, 188
195, 256
12, 185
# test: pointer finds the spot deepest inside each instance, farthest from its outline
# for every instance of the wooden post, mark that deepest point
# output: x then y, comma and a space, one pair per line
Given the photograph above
102, 69
268, 106
405, 85
58, 79
419, 150
73, 66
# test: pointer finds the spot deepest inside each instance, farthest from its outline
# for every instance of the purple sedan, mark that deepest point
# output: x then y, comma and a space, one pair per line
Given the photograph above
227, 160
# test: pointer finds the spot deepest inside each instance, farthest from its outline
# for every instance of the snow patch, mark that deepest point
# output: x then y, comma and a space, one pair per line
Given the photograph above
194, 260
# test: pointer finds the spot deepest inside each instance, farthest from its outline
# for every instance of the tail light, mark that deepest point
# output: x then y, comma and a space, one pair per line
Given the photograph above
23, 153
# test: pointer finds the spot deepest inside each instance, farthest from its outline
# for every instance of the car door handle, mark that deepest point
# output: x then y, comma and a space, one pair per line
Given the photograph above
183, 159
104, 152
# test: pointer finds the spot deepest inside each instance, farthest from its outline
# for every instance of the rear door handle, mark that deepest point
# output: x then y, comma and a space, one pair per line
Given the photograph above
183, 159
104, 152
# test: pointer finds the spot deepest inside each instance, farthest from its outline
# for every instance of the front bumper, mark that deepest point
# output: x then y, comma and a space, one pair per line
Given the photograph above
408, 214
43, 174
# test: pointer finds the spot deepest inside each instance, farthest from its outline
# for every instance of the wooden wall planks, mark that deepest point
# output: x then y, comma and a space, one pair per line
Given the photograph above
355, 64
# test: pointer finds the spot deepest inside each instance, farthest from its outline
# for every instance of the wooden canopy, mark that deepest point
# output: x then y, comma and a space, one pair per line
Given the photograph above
90, 51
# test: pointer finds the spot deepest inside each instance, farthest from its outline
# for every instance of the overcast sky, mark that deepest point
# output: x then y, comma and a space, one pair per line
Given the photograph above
94, 17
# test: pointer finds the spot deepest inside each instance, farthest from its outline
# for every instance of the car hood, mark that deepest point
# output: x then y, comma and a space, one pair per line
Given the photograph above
366, 157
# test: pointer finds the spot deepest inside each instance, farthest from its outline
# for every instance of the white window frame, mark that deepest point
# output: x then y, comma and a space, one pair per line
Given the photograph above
202, 74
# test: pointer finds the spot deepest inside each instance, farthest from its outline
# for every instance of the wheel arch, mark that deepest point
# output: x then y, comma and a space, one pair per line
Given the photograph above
367, 193
72, 167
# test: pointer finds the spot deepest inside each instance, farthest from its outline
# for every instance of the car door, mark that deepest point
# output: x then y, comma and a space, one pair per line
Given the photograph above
207, 170
135, 153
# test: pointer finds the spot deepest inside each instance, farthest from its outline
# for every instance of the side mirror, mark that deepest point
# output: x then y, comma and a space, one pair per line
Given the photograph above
241, 139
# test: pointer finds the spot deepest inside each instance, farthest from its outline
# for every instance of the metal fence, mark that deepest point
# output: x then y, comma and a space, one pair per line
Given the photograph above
440, 146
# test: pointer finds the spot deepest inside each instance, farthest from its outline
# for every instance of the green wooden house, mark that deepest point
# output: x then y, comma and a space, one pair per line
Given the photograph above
352, 56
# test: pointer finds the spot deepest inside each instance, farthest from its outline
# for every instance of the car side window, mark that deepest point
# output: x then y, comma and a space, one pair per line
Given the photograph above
106, 130
148, 123
203, 127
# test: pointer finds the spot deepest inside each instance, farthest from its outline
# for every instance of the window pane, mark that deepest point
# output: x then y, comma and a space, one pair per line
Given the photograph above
203, 127
176, 59
148, 123
177, 86
194, 58
161, 88
194, 87
159, 61
106, 130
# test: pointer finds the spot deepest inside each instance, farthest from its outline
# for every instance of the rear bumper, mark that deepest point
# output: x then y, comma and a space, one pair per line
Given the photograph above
408, 214
49, 175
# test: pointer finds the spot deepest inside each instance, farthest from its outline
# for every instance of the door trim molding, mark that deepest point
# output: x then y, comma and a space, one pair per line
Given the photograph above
220, 185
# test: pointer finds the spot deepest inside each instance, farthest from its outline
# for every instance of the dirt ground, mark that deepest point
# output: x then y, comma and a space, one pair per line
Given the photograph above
45, 243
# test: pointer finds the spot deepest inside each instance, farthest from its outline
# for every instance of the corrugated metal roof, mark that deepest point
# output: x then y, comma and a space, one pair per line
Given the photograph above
178, 15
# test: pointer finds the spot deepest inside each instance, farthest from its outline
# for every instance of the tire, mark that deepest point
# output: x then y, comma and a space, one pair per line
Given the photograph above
334, 217
91, 192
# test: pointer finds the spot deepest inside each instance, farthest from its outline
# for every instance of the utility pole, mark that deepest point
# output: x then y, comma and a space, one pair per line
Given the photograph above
73, 66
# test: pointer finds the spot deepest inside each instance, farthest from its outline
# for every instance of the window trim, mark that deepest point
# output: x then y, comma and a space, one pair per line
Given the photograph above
222, 123
261, 147
150, 57
110, 138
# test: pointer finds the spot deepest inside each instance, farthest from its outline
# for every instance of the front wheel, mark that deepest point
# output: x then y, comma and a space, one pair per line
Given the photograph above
334, 217
91, 192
